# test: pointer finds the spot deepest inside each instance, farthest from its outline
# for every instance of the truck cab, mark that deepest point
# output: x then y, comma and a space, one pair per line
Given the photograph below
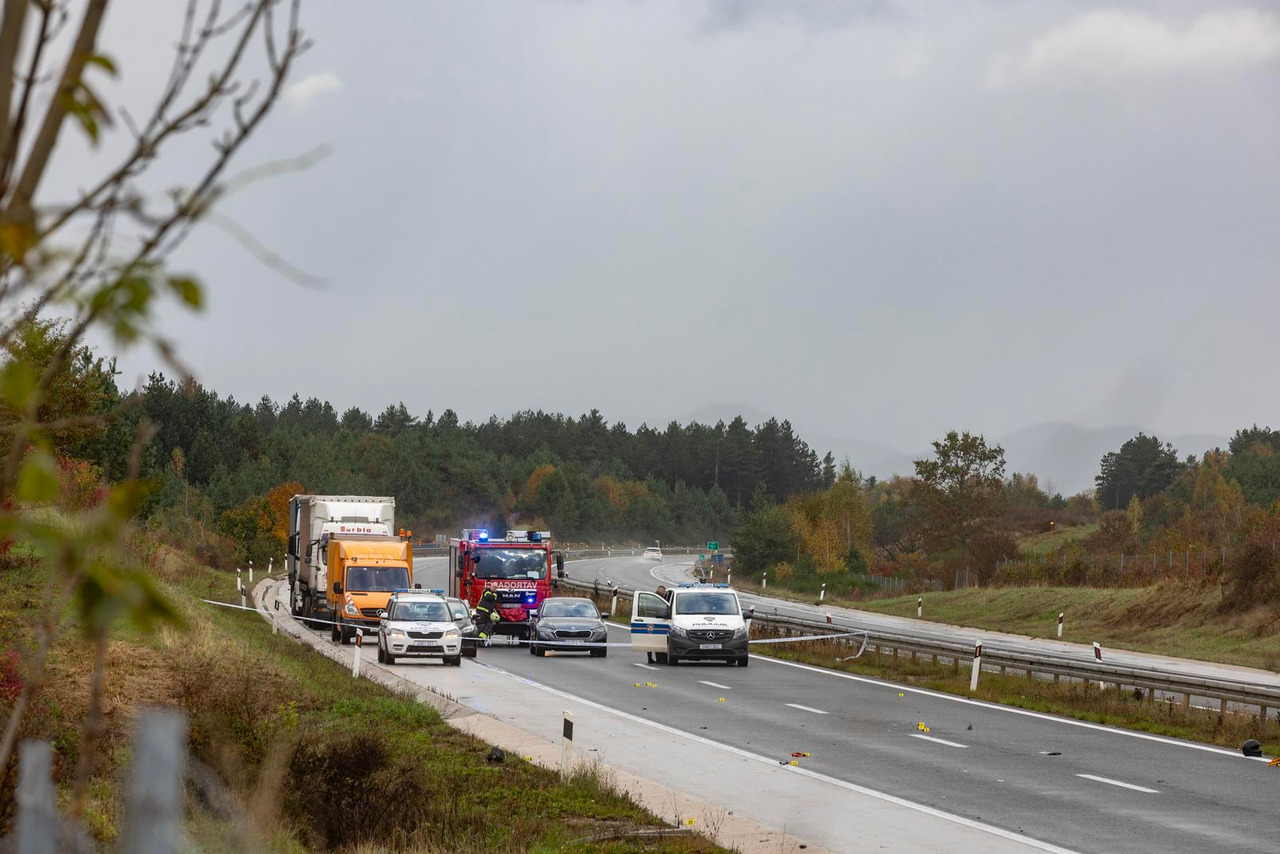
364, 574
517, 567
696, 621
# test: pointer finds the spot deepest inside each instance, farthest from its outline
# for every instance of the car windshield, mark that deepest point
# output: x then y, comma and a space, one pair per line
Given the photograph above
569, 608
706, 603
651, 549
512, 563
427, 612
377, 578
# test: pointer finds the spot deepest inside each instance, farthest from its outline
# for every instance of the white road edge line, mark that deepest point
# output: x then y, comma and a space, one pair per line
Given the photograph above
929, 738
1222, 751
645, 666
793, 769
805, 708
715, 685
1111, 782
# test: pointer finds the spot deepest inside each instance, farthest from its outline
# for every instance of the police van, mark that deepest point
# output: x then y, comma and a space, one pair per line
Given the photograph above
696, 622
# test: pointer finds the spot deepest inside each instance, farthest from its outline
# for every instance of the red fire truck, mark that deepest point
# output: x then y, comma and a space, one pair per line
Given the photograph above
517, 567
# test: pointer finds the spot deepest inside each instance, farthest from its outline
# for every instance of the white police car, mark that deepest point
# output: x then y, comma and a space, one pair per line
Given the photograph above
418, 624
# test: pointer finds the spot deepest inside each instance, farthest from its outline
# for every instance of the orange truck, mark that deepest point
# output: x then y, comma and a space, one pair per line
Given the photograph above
345, 560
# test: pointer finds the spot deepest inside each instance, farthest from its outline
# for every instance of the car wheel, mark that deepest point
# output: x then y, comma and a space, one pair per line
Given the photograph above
454, 661
600, 653
390, 659
382, 656
672, 659
744, 661
660, 657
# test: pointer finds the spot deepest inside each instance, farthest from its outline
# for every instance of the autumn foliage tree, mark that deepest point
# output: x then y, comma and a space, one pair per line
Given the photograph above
959, 490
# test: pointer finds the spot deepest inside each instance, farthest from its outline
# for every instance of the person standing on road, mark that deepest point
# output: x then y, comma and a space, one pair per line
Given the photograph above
486, 614
661, 591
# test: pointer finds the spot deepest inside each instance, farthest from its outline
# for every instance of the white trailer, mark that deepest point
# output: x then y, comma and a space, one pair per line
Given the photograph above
313, 521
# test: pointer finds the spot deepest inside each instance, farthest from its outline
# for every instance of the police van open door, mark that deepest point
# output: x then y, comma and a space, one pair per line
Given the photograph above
649, 623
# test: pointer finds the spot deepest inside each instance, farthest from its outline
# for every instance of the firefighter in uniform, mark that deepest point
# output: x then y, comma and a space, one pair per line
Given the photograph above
487, 614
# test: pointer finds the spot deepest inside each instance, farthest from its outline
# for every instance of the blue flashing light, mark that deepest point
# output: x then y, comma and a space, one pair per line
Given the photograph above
482, 535
702, 584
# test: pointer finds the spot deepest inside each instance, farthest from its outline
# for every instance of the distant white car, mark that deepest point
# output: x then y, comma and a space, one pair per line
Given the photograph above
653, 553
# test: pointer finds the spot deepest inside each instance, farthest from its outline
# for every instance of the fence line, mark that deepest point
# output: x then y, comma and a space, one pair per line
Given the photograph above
1119, 570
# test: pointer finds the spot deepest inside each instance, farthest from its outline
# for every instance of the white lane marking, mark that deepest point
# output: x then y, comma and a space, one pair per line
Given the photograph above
645, 666
1111, 782
1009, 709
937, 740
805, 708
716, 685
793, 769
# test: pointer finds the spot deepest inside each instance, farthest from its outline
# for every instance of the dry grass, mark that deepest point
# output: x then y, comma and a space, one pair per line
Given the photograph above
1180, 620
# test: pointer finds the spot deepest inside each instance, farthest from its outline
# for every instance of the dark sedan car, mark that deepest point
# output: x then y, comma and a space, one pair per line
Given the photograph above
462, 619
569, 624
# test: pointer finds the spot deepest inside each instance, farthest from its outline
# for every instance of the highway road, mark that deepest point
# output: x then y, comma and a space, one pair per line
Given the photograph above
1081, 786
636, 573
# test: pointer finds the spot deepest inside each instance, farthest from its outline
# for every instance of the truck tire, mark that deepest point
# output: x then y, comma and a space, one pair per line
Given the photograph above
294, 608
335, 634
533, 649
660, 657
538, 651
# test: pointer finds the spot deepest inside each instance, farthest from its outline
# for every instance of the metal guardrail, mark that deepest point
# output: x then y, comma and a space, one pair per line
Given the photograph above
1154, 681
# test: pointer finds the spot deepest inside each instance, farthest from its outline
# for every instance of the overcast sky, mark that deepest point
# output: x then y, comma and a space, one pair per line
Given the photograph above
880, 219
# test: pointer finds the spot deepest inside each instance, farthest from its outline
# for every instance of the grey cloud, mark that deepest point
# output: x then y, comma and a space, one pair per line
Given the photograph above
723, 16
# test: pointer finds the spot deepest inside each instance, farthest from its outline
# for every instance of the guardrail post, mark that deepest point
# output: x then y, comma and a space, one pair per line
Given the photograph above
37, 815
153, 816
566, 746
977, 667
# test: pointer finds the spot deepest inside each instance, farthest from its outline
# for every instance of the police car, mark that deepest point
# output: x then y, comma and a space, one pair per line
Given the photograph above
697, 622
418, 624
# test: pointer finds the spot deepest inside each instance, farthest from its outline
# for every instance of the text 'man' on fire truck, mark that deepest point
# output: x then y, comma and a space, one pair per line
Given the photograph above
517, 567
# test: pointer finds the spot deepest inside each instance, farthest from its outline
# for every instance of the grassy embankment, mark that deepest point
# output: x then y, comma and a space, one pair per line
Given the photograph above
313, 760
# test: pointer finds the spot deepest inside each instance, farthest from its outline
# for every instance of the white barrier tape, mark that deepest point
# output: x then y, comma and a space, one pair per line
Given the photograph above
811, 637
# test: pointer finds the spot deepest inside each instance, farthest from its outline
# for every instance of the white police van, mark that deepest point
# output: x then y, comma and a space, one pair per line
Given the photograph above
696, 622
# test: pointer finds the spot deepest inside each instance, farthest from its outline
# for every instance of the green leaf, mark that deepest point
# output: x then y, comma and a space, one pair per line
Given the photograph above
188, 290
38, 478
18, 382
105, 62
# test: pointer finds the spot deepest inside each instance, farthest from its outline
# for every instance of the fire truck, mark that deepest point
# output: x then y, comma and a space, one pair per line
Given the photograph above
517, 567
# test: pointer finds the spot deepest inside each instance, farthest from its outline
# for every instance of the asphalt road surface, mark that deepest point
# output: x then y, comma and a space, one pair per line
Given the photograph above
1081, 786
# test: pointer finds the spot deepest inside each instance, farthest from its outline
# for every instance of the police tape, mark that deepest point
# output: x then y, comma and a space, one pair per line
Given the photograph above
550, 643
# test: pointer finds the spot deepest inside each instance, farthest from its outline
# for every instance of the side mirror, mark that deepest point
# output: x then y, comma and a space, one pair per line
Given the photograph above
604, 615
382, 613
555, 584
337, 587
748, 614
560, 566
533, 613
417, 587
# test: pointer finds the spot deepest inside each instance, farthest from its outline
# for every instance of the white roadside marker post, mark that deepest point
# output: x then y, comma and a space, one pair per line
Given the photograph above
764, 581
613, 603
251, 572
822, 594
919, 607
355, 653
977, 667
275, 624
566, 746
271, 565
729, 579
1097, 654
1060, 616
238, 584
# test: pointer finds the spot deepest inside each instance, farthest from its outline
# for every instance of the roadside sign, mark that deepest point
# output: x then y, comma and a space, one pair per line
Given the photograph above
717, 558
712, 546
